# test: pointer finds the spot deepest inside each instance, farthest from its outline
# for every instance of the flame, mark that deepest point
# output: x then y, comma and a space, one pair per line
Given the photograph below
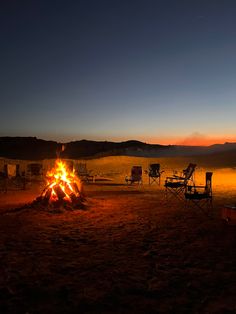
62, 183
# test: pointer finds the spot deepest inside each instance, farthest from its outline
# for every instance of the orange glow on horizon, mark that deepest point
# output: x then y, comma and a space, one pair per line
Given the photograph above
192, 140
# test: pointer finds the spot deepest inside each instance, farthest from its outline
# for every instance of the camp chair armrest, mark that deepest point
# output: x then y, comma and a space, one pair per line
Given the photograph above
197, 186
178, 177
175, 178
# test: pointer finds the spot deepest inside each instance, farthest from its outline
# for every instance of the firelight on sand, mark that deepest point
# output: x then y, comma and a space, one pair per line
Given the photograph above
62, 184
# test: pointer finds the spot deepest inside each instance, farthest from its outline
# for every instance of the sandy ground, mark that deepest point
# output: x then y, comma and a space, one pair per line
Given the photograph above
129, 251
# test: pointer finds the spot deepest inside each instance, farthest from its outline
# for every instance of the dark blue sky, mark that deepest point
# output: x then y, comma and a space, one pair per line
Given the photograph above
154, 70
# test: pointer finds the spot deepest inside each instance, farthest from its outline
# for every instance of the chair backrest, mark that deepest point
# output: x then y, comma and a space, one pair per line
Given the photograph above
136, 173
82, 169
188, 172
208, 186
11, 170
34, 169
154, 169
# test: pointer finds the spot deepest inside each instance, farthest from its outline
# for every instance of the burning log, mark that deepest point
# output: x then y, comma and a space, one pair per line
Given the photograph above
59, 192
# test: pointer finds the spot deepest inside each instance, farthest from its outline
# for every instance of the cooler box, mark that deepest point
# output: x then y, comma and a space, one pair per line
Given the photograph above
228, 213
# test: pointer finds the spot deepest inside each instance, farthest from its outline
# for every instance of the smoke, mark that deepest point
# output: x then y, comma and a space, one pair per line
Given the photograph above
195, 139
199, 139
60, 149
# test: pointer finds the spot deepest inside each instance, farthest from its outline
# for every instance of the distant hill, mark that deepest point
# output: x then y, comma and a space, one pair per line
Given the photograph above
36, 149
86, 148
27, 148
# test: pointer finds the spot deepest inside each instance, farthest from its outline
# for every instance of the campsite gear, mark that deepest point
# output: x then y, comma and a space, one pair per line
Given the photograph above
201, 196
136, 175
83, 173
228, 213
176, 185
154, 174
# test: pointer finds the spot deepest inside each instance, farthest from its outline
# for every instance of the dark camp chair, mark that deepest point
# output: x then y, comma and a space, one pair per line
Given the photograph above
83, 173
199, 195
34, 172
176, 185
136, 175
13, 179
154, 174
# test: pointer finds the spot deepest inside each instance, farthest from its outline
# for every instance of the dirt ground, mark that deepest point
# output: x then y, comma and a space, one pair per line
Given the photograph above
128, 251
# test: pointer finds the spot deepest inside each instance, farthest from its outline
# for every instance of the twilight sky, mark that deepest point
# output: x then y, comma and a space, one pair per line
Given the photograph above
160, 71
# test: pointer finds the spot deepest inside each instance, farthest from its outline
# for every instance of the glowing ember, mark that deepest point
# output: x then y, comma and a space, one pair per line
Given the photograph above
62, 185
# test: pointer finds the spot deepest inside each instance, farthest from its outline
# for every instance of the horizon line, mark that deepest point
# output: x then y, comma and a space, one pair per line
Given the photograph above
186, 143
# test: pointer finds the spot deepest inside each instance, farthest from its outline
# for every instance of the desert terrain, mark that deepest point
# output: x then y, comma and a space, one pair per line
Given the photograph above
127, 251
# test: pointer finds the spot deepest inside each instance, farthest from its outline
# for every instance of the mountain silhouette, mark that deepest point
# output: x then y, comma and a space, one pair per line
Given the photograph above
32, 148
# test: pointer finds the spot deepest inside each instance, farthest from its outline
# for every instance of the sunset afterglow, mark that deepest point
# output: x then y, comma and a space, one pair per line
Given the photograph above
152, 71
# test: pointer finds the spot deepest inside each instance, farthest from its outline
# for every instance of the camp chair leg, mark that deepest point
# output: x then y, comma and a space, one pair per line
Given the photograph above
205, 206
154, 180
177, 194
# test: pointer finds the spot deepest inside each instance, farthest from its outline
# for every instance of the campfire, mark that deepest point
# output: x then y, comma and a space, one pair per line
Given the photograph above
63, 189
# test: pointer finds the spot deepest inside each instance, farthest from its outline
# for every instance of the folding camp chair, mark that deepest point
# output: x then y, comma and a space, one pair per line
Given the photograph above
34, 172
83, 173
13, 178
154, 174
136, 175
176, 185
199, 195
